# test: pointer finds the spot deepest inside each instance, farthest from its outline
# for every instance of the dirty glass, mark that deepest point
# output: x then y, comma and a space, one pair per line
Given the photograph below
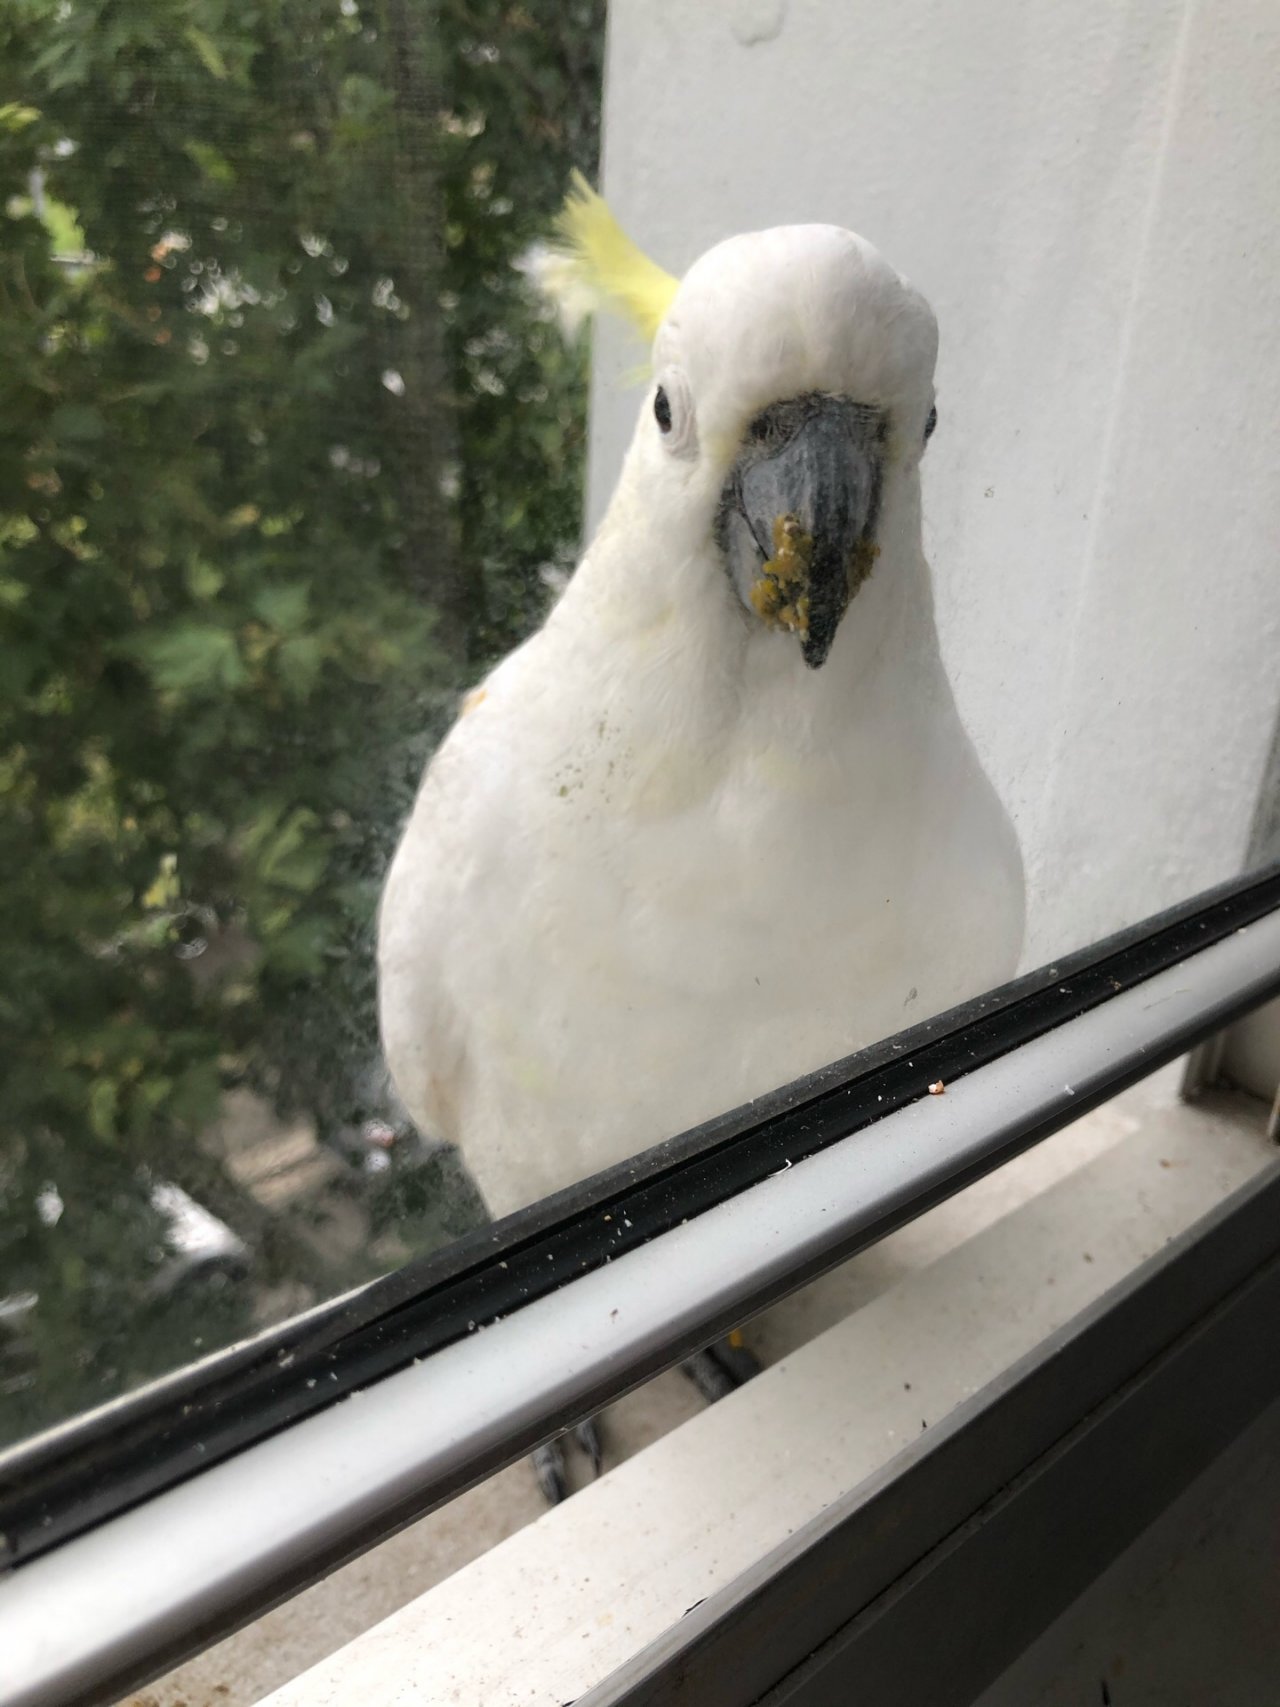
926, 631
289, 451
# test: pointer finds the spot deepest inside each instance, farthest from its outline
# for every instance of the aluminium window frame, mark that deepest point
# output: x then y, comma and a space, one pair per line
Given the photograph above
83, 1472
636, 1267
1204, 1067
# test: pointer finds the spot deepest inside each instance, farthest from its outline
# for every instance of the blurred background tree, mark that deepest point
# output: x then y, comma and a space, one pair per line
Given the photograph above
288, 454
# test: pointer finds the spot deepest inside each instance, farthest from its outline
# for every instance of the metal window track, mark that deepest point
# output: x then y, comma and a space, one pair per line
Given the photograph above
826, 1168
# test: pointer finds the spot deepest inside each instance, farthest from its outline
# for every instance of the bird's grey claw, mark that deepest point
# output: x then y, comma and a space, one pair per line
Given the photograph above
587, 1435
550, 1469
720, 1368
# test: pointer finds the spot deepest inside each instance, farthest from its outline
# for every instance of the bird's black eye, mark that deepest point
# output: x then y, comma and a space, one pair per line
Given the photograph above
662, 410
931, 423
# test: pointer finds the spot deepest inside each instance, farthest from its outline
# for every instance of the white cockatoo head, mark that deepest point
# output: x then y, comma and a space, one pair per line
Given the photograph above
790, 402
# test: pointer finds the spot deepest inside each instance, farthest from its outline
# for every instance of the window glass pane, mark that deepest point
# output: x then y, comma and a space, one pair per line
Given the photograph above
840, 721
288, 450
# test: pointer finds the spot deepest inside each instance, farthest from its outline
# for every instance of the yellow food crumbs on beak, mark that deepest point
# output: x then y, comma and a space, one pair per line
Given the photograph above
862, 563
780, 596
476, 697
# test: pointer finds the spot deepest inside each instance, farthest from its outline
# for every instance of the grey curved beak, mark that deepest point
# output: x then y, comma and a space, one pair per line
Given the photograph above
798, 515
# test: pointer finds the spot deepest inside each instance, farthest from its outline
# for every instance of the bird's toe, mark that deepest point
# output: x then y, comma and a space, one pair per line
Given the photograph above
587, 1435
550, 1461
721, 1367
551, 1470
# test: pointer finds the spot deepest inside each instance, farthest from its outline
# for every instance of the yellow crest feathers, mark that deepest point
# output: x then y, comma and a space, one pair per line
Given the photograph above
594, 265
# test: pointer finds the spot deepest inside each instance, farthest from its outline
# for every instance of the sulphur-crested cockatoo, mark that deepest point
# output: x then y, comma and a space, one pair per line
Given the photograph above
718, 821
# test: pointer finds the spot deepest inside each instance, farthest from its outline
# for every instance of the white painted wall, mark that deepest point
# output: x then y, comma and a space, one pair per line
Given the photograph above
1089, 194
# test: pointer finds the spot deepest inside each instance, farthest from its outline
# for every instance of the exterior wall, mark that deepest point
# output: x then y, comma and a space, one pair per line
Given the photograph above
1090, 197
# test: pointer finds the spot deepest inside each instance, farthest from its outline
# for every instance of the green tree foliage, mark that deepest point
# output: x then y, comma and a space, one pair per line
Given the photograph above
286, 456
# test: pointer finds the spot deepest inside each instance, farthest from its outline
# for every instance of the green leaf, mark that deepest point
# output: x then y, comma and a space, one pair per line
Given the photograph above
298, 951
213, 165
192, 657
14, 116
203, 580
63, 228
64, 62
283, 607
299, 661
166, 886
291, 854
207, 49
103, 1106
